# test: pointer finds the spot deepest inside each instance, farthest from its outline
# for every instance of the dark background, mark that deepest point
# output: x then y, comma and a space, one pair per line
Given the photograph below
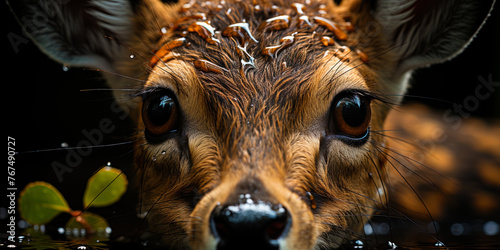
45, 106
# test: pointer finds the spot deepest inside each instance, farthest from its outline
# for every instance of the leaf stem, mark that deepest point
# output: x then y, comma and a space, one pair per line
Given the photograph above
80, 219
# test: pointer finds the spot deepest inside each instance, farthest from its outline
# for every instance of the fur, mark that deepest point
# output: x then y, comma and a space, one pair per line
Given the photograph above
255, 120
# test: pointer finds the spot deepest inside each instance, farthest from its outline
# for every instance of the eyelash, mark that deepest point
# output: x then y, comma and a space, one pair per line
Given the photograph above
143, 93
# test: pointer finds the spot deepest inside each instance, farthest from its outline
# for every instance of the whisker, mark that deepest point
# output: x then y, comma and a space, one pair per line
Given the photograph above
414, 162
119, 75
108, 89
74, 148
417, 195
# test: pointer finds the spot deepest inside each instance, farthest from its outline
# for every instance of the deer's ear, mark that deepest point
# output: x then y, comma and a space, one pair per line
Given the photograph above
424, 32
76, 33
93, 33
98, 34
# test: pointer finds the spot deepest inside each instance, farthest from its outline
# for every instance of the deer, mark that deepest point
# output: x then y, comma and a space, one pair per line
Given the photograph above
259, 123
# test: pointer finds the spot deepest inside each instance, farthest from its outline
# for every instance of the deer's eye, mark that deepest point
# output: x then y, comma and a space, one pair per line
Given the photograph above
160, 113
350, 116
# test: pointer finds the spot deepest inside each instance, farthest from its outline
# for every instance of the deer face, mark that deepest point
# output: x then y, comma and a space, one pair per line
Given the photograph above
260, 123
273, 130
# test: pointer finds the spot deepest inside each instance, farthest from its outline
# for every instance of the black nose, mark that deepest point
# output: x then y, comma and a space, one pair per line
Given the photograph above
250, 225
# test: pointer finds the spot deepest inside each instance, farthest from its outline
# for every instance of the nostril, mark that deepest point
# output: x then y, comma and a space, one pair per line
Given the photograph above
278, 224
220, 228
256, 224
275, 229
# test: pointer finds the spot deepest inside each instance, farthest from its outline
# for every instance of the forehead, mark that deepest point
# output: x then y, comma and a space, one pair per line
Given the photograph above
244, 52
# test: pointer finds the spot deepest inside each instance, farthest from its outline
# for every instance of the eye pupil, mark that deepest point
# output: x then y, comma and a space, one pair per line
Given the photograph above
160, 110
353, 112
160, 113
350, 116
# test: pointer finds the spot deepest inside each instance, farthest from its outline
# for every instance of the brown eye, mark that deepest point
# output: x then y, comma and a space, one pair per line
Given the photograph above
350, 116
160, 113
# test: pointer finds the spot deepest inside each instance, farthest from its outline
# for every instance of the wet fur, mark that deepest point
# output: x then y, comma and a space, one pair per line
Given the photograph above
258, 129
249, 112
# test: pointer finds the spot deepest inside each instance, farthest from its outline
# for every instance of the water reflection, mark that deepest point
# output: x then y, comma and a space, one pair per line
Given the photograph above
377, 235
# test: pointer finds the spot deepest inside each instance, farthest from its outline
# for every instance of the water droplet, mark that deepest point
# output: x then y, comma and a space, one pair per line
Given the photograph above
154, 158
64, 145
303, 21
131, 56
342, 53
362, 56
163, 152
358, 244
243, 53
240, 31
380, 191
108, 164
275, 23
349, 27
331, 26
326, 53
392, 245
204, 30
197, 16
164, 30
272, 51
165, 49
322, 10
142, 215
312, 200
60, 230
185, 7
65, 68
207, 66
327, 41
299, 8
439, 244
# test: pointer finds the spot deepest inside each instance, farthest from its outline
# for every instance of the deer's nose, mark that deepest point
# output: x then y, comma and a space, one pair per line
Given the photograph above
250, 225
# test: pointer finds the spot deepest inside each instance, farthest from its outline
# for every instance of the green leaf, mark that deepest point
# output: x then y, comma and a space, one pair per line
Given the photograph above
96, 222
105, 187
40, 202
